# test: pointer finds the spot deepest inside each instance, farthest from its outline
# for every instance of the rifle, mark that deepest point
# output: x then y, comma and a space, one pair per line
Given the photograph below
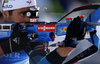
59, 29
40, 31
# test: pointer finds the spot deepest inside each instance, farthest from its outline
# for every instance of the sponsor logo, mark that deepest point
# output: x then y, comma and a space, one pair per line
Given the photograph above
87, 52
29, 1
6, 1
8, 6
46, 28
33, 20
16, 40
63, 29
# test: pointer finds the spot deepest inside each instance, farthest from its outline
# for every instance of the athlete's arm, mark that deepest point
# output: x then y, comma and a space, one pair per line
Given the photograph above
64, 51
57, 56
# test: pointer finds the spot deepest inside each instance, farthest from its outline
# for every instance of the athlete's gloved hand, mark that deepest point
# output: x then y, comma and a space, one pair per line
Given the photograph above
17, 41
75, 31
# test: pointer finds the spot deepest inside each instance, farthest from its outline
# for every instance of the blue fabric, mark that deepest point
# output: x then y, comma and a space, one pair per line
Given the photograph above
95, 16
15, 58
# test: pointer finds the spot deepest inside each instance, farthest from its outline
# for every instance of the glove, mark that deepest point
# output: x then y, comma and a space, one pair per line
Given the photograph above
17, 41
75, 31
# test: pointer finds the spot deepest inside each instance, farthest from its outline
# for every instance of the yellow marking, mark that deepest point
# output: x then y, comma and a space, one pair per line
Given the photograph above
64, 29
61, 30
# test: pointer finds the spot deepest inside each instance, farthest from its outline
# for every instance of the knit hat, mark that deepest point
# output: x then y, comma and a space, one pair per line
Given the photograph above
17, 4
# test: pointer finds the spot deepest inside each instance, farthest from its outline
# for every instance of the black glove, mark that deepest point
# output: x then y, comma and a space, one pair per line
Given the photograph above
17, 41
75, 32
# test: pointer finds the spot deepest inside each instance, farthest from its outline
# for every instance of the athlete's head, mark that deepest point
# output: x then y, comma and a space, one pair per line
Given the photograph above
15, 10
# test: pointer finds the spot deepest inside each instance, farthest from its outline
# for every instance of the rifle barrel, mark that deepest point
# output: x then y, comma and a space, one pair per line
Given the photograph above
91, 23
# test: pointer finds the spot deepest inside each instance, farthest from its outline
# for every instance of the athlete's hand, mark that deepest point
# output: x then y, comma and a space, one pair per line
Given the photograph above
17, 41
76, 31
